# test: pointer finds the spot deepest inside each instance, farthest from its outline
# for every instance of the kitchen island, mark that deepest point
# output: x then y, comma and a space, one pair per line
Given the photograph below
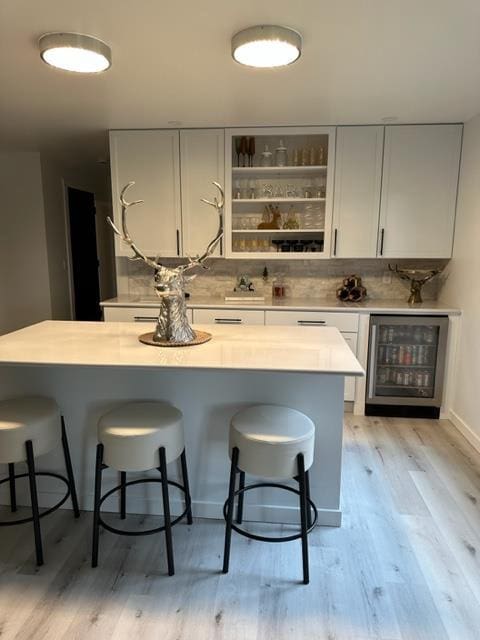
90, 367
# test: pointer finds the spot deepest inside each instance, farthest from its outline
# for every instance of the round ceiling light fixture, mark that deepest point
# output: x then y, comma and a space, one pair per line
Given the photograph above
75, 52
266, 46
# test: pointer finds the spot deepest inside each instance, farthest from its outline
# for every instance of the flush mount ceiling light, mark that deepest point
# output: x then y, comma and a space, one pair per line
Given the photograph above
75, 52
266, 46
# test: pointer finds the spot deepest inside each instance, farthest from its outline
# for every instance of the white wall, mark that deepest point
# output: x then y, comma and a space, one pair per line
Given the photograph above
24, 278
461, 288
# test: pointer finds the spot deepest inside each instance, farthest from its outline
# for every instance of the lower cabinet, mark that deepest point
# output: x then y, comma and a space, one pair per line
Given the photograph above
228, 316
346, 323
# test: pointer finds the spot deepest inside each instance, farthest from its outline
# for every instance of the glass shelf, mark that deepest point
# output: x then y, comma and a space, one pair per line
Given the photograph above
280, 231
276, 200
281, 171
406, 366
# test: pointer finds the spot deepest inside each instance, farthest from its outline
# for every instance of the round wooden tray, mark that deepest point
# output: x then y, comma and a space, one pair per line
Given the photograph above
200, 338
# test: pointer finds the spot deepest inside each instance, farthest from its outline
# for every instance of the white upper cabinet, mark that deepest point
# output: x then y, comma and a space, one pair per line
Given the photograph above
419, 191
201, 163
358, 178
151, 160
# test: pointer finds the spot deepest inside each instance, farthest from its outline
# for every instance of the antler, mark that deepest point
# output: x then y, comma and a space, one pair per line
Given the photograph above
124, 235
218, 205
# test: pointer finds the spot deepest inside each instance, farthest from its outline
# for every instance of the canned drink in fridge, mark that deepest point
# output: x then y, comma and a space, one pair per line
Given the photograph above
421, 355
401, 354
418, 379
406, 378
391, 334
382, 376
427, 378
381, 354
414, 354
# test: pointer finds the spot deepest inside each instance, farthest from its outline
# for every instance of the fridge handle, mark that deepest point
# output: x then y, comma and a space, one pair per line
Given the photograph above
372, 368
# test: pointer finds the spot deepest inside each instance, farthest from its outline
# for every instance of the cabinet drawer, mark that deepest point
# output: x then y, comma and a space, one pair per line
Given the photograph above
342, 321
228, 316
134, 314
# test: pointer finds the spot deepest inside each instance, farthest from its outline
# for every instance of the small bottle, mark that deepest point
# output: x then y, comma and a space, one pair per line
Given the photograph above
266, 159
281, 155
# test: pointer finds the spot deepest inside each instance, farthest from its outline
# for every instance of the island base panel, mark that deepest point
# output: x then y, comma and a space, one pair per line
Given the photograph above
208, 399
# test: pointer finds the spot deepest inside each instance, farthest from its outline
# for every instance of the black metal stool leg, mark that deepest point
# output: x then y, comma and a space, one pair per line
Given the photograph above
96, 504
240, 498
34, 499
166, 511
230, 506
123, 495
13, 492
69, 468
307, 492
303, 516
186, 486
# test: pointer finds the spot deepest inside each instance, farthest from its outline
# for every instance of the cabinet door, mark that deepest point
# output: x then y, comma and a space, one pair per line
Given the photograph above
151, 160
201, 163
358, 178
419, 191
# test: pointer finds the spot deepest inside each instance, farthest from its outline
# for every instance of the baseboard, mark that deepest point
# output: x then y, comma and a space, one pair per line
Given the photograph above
212, 510
467, 432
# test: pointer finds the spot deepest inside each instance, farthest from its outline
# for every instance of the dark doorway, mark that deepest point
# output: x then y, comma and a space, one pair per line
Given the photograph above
85, 264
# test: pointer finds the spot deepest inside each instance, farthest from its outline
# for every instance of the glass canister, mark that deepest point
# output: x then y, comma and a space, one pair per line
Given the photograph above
279, 288
266, 159
281, 155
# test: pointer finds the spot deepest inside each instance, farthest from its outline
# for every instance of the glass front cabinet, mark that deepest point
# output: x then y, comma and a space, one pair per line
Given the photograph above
279, 192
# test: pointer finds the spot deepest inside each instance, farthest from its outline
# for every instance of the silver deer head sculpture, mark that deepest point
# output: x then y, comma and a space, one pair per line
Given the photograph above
172, 325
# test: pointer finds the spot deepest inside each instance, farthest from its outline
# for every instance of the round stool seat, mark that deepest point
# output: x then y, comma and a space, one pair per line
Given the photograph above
28, 418
269, 439
133, 433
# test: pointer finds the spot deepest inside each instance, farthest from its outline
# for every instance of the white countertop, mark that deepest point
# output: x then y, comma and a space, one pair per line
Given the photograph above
251, 348
296, 304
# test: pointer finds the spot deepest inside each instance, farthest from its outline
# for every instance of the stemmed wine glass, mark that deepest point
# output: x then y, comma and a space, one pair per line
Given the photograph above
251, 151
243, 149
237, 149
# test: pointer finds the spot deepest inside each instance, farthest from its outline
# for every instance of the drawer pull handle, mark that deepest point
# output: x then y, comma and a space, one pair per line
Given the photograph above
311, 323
228, 320
145, 318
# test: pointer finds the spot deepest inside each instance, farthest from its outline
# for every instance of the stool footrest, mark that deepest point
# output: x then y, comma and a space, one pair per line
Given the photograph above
49, 474
147, 532
254, 536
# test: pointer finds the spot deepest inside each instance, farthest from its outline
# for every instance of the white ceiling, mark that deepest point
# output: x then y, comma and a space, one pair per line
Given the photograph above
363, 60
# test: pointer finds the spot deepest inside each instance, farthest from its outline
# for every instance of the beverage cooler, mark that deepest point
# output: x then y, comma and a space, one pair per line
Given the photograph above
406, 366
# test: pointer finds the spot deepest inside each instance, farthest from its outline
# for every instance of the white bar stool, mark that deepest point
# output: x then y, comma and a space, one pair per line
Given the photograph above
139, 436
31, 427
272, 442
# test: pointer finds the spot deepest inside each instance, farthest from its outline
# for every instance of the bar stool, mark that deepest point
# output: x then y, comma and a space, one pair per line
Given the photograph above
31, 427
139, 436
272, 442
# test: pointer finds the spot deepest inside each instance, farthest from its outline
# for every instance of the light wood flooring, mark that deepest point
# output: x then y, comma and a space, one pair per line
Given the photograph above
404, 565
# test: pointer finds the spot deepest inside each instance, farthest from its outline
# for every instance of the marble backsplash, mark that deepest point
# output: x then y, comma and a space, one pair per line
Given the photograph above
304, 278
